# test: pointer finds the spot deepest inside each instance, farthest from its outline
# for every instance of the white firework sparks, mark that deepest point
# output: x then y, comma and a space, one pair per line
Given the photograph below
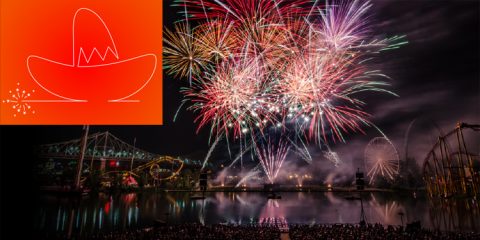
271, 157
332, 157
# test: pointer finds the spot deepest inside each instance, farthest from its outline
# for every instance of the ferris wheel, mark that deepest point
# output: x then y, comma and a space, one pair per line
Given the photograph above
381, 159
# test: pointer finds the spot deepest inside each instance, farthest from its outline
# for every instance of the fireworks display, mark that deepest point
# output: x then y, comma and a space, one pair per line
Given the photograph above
183, 58
297, 66
271, 157
263, 63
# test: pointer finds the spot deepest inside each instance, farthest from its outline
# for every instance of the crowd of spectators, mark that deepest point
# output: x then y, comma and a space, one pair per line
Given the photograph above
187, 231
371, 232
268, 231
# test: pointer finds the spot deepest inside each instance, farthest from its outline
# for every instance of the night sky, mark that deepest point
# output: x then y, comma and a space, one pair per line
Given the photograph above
436, 77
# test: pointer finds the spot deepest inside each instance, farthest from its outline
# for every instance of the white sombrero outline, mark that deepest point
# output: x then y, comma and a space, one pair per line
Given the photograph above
81, 52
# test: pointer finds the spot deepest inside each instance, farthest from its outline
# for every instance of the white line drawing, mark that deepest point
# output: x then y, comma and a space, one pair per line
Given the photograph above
76, 63
19, 101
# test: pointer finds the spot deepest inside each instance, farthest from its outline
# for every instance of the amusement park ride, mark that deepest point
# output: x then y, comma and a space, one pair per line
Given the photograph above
452, 166
451, 172
381, 158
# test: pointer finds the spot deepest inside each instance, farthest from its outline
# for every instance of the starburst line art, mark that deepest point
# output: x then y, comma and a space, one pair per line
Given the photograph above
19, 101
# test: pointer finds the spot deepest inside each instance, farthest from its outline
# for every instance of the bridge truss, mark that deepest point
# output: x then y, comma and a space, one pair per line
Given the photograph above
99, 146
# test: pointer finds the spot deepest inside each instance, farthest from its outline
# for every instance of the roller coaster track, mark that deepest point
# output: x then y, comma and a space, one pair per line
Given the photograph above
154, 169
450, 169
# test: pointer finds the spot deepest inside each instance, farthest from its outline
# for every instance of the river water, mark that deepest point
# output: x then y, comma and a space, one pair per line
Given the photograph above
104, 212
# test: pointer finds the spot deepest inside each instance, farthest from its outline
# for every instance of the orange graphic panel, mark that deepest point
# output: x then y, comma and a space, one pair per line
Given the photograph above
81, 62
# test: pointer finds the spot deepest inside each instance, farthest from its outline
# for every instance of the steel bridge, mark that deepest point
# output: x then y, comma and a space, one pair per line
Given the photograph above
451, 168
99, 146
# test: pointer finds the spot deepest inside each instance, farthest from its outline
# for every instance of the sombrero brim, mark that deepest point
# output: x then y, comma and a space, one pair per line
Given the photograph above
105, 82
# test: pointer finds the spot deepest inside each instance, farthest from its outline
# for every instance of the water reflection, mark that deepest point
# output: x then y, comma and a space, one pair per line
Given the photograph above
455, 214
112, 212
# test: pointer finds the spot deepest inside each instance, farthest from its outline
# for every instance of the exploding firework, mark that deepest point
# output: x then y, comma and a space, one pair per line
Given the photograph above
381, 159
230, 99
344, 24
271, 157
182, 54
318, 91
216, 40
240, 11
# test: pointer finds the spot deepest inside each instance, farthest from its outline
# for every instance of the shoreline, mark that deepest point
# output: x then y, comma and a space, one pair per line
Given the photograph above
248, 189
